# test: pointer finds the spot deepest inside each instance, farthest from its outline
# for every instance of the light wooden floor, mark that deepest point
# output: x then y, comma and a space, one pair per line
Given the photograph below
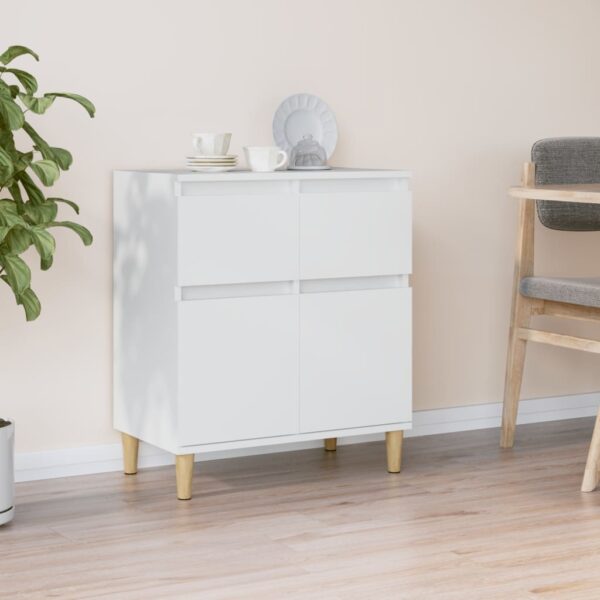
464, 520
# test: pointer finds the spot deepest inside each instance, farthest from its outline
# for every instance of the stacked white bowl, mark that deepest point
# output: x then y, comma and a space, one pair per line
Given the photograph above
211, 153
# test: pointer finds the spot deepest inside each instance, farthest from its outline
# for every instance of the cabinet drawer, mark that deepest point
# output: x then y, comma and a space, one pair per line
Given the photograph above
355, 234
238, 369
355, 359
237, 238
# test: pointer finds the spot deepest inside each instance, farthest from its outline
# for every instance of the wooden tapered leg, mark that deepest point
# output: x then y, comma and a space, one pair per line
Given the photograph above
393, 447
521, 311
184, 471
515, 362
331, 444
130, 453
592, 466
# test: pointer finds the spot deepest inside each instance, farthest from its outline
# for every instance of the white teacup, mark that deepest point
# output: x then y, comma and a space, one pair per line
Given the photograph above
265, 159
211, 143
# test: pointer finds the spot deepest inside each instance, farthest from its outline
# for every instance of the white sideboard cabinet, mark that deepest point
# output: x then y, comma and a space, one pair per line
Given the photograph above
260, 308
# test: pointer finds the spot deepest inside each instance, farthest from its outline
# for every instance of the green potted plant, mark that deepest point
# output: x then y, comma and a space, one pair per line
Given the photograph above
27, 213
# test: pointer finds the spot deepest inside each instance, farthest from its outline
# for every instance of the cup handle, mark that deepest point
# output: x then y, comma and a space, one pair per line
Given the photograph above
283, 160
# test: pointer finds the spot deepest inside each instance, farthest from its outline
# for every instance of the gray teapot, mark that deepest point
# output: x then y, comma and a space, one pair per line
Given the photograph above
308, 154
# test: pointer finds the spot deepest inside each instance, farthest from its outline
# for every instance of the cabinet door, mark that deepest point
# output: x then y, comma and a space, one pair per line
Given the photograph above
355, 359
238, 361
237, 238
354, 234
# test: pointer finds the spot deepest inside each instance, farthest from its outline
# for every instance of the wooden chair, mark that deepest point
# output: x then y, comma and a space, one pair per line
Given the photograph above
556, 161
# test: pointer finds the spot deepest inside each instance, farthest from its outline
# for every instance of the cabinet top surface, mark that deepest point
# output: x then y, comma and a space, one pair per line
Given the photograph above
245, 175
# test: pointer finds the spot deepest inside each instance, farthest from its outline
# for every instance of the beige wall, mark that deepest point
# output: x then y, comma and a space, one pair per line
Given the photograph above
454, 90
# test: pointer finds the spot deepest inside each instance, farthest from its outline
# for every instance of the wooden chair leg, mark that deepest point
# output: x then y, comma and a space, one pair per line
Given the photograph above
130, 453
592, 466
331, 444
521, 312
515, 362
184, 471
393, 446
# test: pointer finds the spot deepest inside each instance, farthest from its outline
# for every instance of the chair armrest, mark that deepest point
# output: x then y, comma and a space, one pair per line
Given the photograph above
584, 193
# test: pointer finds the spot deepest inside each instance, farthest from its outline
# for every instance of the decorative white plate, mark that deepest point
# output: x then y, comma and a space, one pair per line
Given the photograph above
301, 115
210, 169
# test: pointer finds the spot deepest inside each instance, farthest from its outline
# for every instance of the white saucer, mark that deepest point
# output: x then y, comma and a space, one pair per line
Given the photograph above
212, 157
210, 169
211, 164
311, 168
203, 160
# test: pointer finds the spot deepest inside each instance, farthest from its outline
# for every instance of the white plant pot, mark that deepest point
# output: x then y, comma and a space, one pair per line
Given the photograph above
7, 476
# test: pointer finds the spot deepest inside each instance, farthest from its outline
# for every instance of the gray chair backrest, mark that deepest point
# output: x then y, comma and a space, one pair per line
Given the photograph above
567, 160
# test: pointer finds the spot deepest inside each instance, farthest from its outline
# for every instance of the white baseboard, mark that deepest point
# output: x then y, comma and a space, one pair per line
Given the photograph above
101, 459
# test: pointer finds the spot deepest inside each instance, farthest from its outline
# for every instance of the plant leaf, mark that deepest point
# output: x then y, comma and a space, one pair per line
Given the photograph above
34, 193
58, 155
15, 192
41, 214
36, 138
5, 89
80, 230
38, 105
44, 243
30, 303
8, 213
6, 137
72, 204
18, 274
4, 229
23, 161
6, 165
87, 104
13, 51
47, 171
28, 300
17, 240
11, 113
27, 80
46, 263
63, 158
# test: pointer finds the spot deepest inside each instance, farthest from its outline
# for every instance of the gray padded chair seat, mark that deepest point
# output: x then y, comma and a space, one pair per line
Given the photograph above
584, 291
